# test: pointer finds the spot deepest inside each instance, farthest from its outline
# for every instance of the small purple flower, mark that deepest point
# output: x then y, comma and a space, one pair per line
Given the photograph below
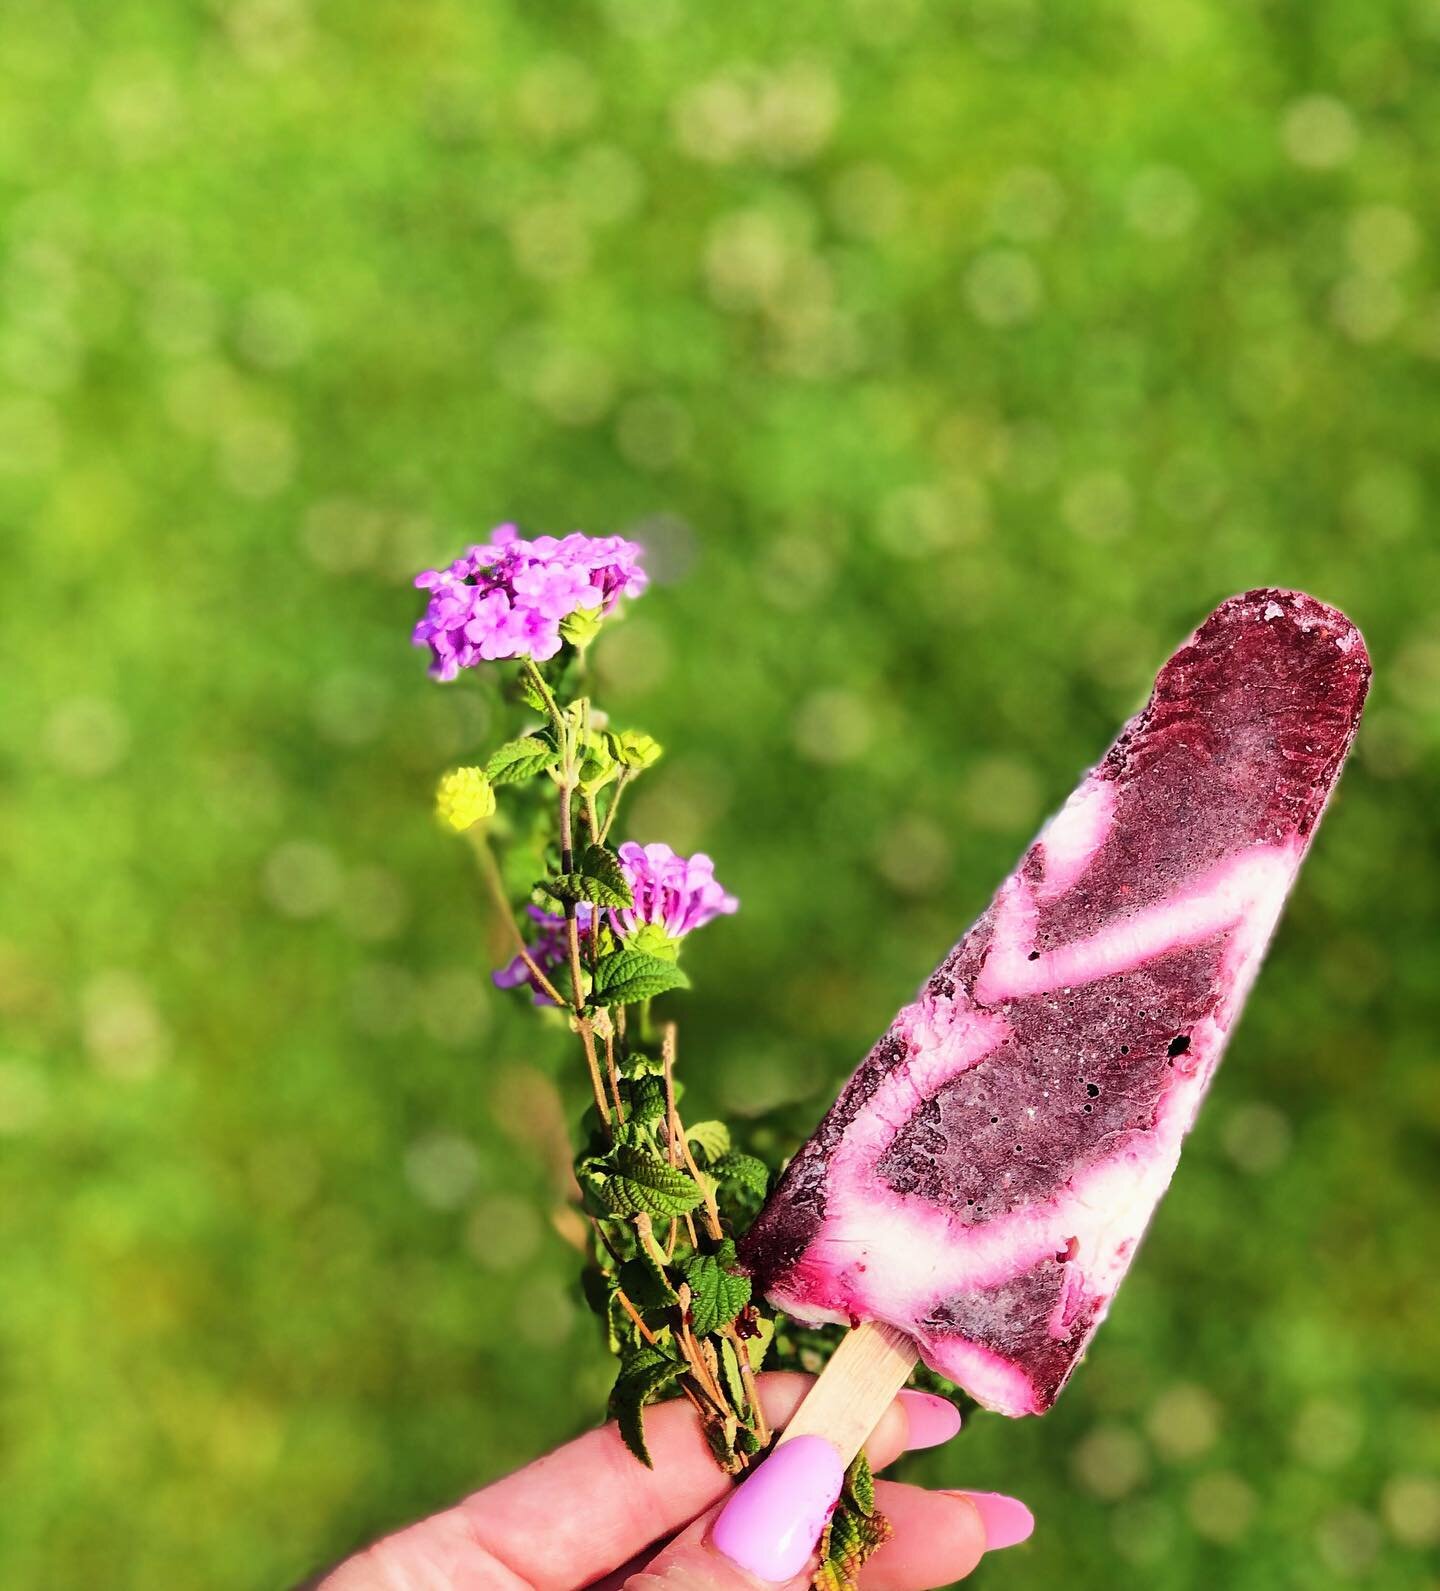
509, 597
676, 894
549, 951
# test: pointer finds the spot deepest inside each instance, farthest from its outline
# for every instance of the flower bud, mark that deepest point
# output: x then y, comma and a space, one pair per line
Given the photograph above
634, 749
463, 798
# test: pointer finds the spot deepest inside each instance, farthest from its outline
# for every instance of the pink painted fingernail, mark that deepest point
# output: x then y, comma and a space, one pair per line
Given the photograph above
1007, 1520
932, 1420
775, 1515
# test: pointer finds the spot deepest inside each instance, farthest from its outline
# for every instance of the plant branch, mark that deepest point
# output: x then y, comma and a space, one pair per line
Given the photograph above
587, 1041
546, 695
747, 1377
677, 1134
612, 1072
635, 1317
495, 887
626, 775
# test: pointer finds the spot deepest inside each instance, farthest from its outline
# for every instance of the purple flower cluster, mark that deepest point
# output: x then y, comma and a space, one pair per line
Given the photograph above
509, 597
549, 951
675, 893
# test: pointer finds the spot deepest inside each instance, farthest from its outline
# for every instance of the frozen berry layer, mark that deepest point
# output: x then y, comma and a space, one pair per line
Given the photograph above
986, 1174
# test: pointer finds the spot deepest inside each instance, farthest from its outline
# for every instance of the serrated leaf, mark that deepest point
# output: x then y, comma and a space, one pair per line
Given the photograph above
629, 1132
593, 1176
737, 1170
620, 1333
644, 1375
652, 939
600, 863
713, 1137
597, 765
717, 1294
855, 1530
641, 1181
860, 1485
518, 760
595, 877
645, 1097
635, 749
631, 975
530, 695
646, 1284
850, 1539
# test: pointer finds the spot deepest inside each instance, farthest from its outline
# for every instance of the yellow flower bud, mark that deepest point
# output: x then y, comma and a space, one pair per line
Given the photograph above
463, 797
635, 749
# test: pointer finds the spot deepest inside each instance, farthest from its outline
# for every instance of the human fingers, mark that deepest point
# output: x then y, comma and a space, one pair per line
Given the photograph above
938, 1538
575, 1514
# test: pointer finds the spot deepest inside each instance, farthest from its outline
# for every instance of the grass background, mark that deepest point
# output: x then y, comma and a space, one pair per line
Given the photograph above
953, 360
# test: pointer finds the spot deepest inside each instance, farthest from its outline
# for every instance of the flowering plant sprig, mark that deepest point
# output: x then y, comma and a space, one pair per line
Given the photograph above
599, 937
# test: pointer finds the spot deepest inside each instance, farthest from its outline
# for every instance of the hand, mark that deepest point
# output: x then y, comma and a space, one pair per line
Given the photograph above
589, 1515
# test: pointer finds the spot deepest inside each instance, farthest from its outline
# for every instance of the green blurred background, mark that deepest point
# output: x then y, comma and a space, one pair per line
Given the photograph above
953, 359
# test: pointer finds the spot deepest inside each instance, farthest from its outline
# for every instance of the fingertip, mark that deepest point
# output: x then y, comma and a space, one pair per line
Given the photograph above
774, 1518
1006, 1520
938, 1538
930, 1420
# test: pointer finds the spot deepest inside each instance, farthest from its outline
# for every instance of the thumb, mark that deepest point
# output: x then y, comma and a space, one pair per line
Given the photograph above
764, 1534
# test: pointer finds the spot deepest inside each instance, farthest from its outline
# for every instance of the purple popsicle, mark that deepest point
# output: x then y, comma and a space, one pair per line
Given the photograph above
986, 1174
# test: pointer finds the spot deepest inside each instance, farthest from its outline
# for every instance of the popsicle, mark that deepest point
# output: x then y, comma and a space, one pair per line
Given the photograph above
979, 1188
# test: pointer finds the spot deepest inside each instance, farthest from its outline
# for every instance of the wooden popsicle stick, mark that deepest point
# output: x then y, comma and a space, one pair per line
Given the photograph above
855, 1388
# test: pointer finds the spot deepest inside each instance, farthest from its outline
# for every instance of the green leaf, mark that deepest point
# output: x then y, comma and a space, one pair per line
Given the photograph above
518, 760
529, 694
645, 1097
593, 1176
596, 877
850, 1539
860, 1484
717, 1293
644, 1375
723, 1437
641, 1181
620, 1333
635, 749
713, 1137
736, 1170
646, 1284
759, 1345
654, 941
597, 766
596, 1287
855, 1530
581, 627
628, 976
730, 1369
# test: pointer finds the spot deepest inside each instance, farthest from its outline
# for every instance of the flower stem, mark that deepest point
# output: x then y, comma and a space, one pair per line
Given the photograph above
495, 887
672, 1121
677, 1132
625, 777
747, 1379
587, 1041
546, 695
613, 1073
635, 1317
